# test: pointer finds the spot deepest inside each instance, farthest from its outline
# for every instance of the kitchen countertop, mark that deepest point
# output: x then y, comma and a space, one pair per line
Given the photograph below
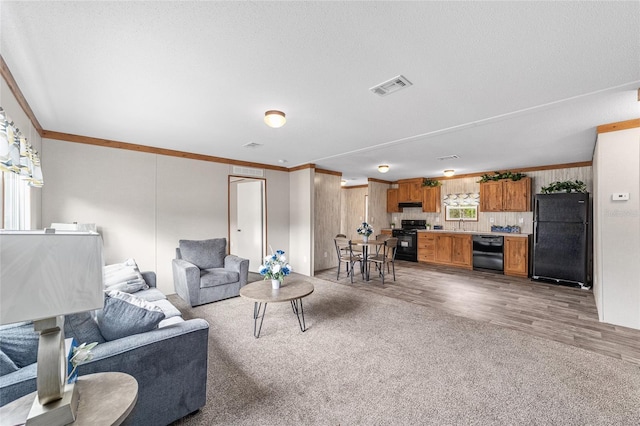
455, 231
452, 231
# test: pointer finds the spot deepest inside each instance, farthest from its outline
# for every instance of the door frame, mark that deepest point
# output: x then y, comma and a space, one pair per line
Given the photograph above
233, 178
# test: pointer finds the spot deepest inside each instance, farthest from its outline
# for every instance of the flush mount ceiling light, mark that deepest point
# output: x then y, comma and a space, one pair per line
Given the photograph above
449, 172
274, 118
343, 182
383, 168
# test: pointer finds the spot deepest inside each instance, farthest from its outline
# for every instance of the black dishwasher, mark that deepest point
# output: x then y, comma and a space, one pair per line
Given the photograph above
488, 253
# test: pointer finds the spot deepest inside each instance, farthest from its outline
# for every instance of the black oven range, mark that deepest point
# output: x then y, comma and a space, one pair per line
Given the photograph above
408, 239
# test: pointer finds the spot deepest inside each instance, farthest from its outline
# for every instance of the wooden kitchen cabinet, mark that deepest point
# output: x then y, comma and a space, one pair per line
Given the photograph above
410, 190
506, 195
516, 256
431, 199
445, 249
426, 247
387, 232
392, 200
461, 250
516, 195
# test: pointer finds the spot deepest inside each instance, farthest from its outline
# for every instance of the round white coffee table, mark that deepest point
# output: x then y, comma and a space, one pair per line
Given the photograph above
290, 291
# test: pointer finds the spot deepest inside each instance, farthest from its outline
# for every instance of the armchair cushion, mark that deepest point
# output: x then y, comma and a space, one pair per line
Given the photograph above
217, 276
205, 254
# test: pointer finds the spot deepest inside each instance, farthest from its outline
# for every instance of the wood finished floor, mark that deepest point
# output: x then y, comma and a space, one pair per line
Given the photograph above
558, 313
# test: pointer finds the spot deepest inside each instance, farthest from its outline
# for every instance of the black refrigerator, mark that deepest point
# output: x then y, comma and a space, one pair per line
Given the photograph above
561, 238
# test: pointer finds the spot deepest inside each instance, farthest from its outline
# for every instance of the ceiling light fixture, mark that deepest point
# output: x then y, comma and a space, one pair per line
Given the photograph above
343, 182
383, 168
449, 172
274, 118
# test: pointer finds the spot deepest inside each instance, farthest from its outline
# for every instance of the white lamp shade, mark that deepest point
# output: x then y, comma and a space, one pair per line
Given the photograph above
46, 275
274, 118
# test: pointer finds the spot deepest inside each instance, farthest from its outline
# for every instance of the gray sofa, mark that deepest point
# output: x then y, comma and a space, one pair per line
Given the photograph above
204, 273
169, 363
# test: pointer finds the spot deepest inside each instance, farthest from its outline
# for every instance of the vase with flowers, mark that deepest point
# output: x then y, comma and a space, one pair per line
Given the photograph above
365, 230
275, 268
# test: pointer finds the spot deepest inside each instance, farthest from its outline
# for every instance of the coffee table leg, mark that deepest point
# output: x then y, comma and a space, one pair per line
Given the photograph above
257, 307
296, 305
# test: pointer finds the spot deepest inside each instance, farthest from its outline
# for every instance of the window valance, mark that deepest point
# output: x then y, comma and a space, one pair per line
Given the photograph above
16, 154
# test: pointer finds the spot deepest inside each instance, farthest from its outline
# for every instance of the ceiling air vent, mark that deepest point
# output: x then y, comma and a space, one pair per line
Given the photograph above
390, 86
448, 157
252, 145
248, 171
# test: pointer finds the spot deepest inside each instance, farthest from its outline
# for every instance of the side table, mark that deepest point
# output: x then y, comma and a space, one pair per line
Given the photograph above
105, 399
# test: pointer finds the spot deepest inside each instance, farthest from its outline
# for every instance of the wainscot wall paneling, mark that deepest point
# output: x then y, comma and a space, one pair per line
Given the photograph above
191, 199
353, 210
301, 215
326, 219
378, 216
113, 188
143, 203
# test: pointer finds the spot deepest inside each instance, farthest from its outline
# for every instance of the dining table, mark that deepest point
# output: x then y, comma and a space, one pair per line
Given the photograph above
365, 252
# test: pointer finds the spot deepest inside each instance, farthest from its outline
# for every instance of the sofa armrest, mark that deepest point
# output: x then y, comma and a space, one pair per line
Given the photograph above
186, 280
238, 264
149, 277
170, 365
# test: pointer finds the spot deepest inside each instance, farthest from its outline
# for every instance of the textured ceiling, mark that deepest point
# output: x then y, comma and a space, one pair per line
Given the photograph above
501, 84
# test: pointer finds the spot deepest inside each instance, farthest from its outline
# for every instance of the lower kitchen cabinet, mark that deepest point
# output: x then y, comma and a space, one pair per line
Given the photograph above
516, 256
426, 247
445, 249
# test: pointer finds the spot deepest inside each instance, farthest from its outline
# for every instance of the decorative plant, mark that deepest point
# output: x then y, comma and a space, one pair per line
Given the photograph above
275, 266
499, 176
565, 186
365, 229
431, 182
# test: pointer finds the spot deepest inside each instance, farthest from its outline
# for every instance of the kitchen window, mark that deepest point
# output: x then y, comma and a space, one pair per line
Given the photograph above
465, 213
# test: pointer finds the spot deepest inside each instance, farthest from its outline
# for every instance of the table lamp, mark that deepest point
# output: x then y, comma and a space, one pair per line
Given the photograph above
44, 276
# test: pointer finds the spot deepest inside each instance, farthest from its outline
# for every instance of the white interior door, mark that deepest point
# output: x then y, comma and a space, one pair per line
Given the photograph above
249, 230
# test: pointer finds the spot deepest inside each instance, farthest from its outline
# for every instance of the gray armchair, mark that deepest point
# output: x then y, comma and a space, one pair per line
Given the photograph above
204, 273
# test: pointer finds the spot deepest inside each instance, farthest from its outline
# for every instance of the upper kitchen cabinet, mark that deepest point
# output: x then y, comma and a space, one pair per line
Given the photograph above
431, 199
506, 195
392, 201
410, 190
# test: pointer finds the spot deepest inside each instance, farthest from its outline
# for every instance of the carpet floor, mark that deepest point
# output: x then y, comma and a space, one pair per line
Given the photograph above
370, 359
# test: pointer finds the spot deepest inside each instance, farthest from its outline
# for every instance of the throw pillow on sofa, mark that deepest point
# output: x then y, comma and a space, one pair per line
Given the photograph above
19, 342
124, 315
124, 277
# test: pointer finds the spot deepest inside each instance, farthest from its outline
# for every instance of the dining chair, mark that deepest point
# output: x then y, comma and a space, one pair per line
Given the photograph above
385, 258
344, 250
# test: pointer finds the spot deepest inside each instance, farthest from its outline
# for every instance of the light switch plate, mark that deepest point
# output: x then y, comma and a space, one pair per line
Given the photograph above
620, 196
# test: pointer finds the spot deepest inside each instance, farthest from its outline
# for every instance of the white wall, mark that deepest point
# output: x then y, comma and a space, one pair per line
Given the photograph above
617, 227
301, 221
144, 203
14, 111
